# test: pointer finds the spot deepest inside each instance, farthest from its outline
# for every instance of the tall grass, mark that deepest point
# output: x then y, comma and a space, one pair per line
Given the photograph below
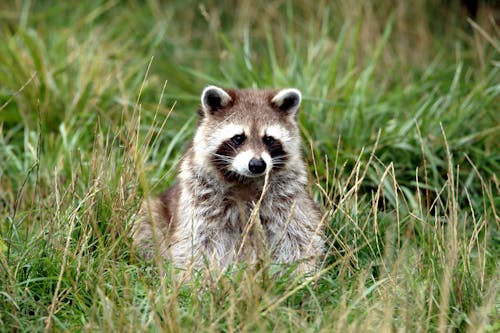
400, 123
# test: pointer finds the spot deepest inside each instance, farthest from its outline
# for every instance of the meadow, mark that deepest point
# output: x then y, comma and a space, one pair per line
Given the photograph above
401, 126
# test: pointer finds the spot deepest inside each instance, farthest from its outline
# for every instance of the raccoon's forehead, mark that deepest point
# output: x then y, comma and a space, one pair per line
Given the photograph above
276, 131
224, 131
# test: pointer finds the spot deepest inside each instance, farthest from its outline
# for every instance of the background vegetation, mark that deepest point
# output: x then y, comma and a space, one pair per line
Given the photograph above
401, 121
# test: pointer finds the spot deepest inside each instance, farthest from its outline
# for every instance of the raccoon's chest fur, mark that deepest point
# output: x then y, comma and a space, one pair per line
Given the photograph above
224, 221
232, 223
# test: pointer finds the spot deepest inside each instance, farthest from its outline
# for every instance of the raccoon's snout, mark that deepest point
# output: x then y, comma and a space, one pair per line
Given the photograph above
257, 166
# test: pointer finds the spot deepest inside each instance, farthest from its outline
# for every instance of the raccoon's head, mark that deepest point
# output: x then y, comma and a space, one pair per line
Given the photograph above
244, 134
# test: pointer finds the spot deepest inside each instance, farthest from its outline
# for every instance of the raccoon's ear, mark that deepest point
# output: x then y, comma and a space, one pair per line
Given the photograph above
288, 100
214, 98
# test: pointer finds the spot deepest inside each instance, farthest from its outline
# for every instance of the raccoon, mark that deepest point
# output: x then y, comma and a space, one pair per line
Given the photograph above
242, 189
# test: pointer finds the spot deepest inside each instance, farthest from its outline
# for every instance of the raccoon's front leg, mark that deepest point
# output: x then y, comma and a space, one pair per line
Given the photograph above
217, 248
289, 249
297, 238
204, 246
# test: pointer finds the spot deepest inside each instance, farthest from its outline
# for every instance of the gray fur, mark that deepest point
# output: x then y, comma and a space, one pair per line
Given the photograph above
204, 218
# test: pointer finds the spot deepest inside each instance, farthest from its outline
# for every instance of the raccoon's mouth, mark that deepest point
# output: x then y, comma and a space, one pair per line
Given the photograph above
243, 178
250, 175
250, 172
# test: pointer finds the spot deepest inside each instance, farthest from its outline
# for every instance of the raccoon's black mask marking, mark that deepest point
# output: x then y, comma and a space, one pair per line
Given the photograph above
222, 160
278, 154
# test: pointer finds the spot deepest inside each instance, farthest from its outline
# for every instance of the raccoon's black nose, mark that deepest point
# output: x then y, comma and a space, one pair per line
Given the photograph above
257, 166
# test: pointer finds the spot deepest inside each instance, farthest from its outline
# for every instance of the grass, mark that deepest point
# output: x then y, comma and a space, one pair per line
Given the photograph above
400, 121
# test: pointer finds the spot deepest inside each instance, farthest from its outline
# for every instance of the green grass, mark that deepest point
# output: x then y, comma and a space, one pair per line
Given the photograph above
400, 120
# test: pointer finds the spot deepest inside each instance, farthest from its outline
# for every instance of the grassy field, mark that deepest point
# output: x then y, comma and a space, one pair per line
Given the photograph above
401, 125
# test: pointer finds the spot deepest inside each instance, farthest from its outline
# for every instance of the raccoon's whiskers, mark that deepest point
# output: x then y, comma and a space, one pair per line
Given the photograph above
279, 160
224, 157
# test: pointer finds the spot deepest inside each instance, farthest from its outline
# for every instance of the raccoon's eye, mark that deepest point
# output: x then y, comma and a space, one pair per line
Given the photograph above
238, 139
268, 140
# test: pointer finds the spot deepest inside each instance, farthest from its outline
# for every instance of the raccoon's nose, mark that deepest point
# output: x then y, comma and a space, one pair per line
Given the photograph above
257, 166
